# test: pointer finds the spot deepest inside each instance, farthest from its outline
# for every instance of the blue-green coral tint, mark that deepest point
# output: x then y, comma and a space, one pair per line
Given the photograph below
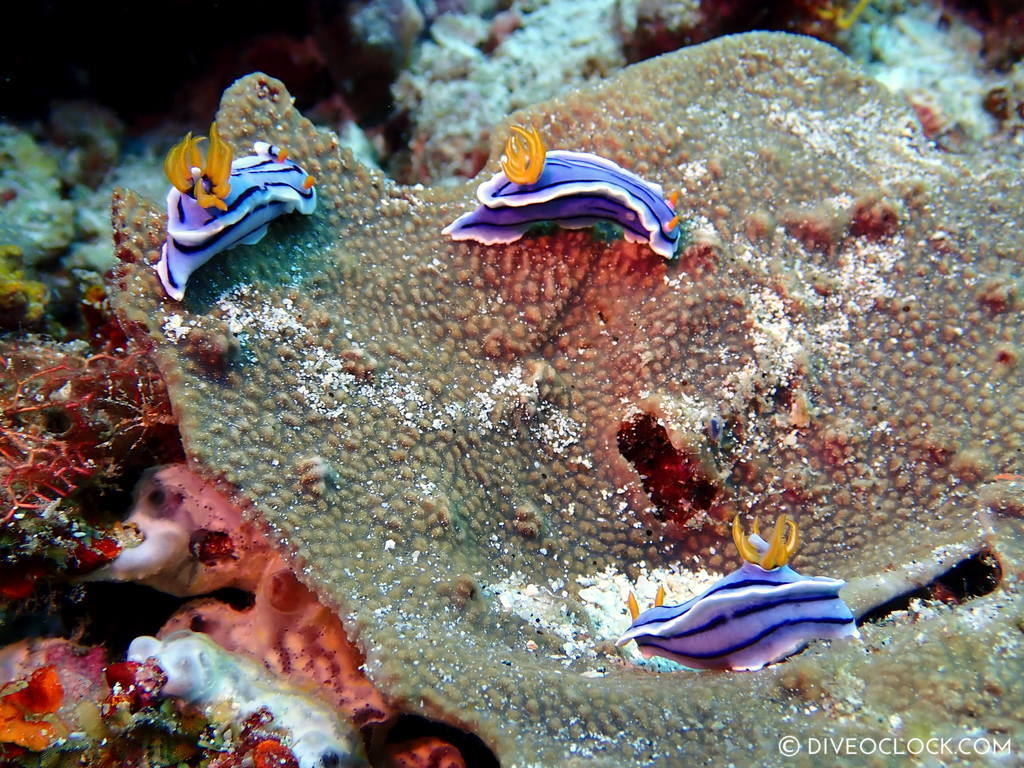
574, 190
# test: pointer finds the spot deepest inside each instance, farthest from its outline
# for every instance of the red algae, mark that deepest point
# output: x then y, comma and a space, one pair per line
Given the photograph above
23, 707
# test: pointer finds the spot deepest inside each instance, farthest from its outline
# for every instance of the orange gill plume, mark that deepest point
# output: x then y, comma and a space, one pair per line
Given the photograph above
215, 172
523, 160
783, 543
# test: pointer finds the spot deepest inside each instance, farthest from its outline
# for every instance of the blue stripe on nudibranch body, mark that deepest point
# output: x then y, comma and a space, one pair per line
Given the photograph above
507, 224
752, 617
573, 189
263, 186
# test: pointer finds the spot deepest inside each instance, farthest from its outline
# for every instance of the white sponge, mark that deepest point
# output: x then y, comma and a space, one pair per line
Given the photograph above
202, 673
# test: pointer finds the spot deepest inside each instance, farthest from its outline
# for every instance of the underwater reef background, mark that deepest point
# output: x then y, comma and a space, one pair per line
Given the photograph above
369, 496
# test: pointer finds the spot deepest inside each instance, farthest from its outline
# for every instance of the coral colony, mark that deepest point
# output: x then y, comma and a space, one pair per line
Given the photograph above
404, 470
477, 449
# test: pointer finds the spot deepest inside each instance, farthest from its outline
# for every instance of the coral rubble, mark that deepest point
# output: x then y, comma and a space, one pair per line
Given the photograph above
419, 421
456, 90
35, 217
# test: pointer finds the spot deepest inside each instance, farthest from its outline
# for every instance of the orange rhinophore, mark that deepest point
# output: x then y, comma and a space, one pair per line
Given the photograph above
659, 599
634, 609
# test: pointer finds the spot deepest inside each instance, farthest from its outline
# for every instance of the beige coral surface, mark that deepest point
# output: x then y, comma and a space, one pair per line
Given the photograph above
448, 435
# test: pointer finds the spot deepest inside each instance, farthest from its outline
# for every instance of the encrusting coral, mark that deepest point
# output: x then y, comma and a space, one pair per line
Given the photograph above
423, 423
22, 301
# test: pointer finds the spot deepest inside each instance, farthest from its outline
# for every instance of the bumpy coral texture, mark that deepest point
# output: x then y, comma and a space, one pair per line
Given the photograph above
422, 421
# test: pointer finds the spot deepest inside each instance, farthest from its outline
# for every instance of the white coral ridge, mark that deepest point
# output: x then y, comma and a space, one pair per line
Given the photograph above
202, 673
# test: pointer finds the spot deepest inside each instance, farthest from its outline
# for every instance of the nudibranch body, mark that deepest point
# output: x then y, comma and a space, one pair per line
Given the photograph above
570, 189
220, 204
757, 615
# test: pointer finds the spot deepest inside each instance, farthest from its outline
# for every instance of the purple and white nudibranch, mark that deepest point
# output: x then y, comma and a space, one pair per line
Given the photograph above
220, 204
570, 189
760, 614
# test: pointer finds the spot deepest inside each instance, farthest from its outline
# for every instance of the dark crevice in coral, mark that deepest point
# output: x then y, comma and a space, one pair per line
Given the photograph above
677, 481
236, 599
974, 577
474, 752
106, 614
112, 614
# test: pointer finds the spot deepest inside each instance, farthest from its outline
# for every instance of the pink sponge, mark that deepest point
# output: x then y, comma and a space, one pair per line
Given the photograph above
192, 539
195, 541
293, 634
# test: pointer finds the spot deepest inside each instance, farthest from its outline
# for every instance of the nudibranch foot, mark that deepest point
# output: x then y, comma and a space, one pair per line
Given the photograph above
571, 189
757, 615
225, 203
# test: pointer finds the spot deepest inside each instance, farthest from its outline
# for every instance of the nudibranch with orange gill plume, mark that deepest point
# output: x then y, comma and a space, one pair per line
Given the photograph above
571, 189
220, 203
757, 615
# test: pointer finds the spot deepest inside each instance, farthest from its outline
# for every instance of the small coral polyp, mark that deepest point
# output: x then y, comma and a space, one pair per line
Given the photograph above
216, 205
574, 190
755, 616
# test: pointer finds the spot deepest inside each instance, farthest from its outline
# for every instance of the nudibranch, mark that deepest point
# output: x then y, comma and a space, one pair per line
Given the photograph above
757, 615
221, 203
570, 189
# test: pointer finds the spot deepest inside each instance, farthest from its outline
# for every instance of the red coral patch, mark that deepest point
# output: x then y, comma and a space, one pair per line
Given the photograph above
676, 480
